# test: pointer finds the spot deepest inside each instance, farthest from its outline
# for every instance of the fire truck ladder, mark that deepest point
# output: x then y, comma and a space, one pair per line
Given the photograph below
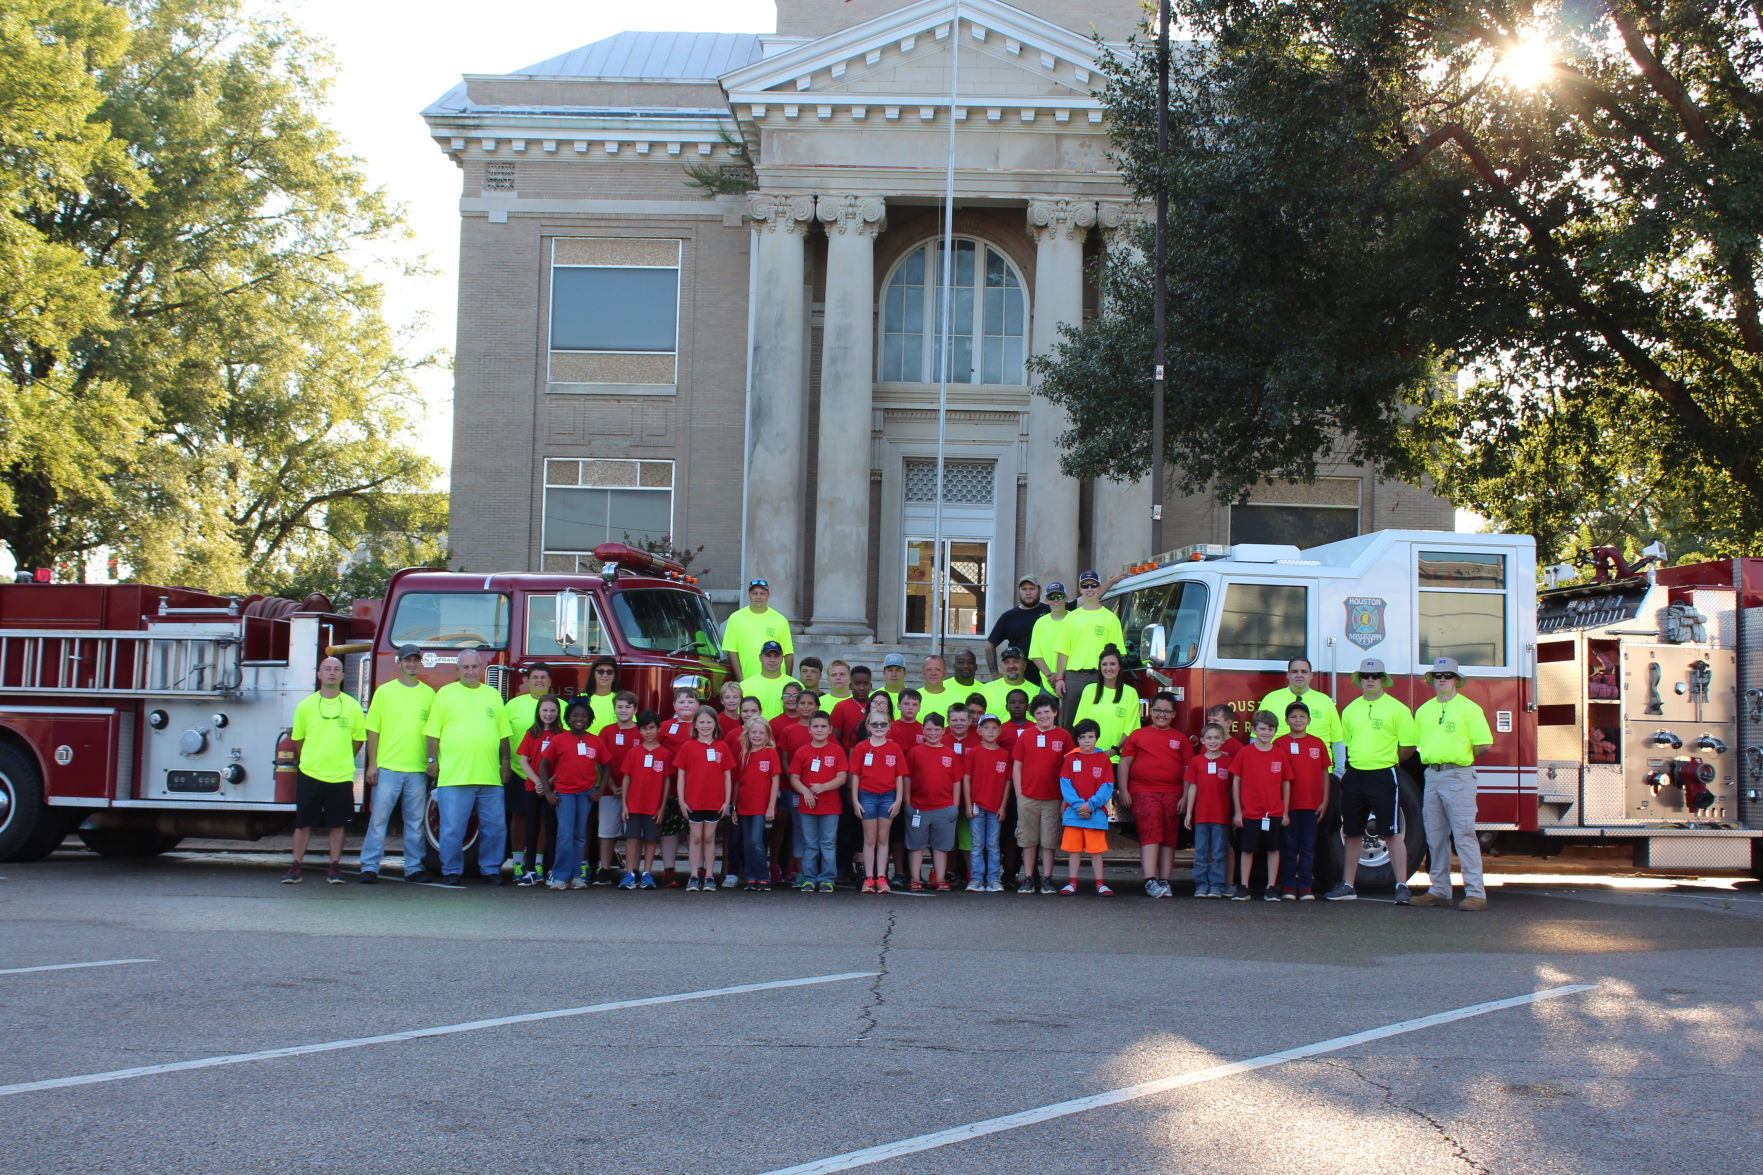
120, 664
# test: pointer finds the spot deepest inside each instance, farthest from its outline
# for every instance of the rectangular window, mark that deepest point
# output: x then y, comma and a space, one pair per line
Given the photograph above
1462, 607
1297, 514
1263, 622
541, 629
451, 620
1179, 607
615, 309
602, 501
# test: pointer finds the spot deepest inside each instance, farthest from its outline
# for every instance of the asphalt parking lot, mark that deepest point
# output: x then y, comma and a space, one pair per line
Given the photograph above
201, 1017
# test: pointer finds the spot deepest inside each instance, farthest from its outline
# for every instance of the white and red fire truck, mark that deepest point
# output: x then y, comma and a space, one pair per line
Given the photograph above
1629, 707
135, 716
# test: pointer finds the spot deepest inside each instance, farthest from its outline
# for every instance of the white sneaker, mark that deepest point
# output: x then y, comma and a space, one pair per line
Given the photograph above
730, 881
995, 887
556, 883
577, 883
976, 887
1151, 888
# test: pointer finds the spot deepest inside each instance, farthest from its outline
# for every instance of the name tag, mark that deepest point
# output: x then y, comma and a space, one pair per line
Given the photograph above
648, 760
1040, 740
581, 749
814, 764
1266, 823
1212, 767
869, 758
1294, 747
710, 755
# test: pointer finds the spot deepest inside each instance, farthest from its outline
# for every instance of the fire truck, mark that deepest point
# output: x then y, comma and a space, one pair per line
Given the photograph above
1628, 708
136, 715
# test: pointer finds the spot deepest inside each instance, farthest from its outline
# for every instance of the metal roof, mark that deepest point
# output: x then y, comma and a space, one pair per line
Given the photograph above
695, 56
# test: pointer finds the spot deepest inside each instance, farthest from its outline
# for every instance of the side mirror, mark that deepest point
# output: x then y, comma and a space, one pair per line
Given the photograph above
570, 619
1154, 645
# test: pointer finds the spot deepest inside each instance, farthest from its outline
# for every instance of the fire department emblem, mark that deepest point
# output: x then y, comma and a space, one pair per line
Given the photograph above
1365, 620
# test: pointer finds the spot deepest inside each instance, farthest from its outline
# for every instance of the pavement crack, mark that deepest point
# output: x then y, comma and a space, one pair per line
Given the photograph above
1455, 1144
867, 1015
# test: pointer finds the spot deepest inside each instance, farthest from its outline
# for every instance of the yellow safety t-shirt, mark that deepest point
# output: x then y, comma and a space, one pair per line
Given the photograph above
472, 725
1373, 731
327, 730
1450, 731
1083, 636
398, 713
1325, 720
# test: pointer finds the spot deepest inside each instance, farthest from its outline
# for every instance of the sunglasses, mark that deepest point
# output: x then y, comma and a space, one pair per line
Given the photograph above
606, 669
1055, 595
1371, 677
1445, 676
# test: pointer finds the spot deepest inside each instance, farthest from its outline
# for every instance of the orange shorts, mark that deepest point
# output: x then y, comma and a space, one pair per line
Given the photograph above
1084, 840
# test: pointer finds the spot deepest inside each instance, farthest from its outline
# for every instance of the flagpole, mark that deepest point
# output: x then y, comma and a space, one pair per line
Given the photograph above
940, 576
1160, 299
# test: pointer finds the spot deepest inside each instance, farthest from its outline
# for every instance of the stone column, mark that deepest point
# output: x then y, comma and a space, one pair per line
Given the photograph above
847, 381
1121, 518
1050, 548
777, 397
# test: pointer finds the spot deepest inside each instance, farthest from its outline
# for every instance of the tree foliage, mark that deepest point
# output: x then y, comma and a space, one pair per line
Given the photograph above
197, 369
1512, 245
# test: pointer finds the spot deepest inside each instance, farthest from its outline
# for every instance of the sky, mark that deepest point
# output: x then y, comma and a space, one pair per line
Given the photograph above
392, 60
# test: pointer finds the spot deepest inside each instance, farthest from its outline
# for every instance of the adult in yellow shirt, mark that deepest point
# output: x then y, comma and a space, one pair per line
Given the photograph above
1453, 731
749, 629
329, 729
1044, 637
935, 695
768, 684
997, 691
397, 766
1379, 731
1087, 630
468, 742
1325, 719
1114, 707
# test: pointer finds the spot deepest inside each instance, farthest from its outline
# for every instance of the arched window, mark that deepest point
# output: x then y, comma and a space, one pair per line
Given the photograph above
989, 306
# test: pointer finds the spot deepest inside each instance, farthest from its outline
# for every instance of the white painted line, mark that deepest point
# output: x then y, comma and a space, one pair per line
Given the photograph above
74, 966
329, 1046
942, 1138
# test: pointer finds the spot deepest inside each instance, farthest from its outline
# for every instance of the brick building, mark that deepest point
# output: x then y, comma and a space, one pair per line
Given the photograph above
756, 372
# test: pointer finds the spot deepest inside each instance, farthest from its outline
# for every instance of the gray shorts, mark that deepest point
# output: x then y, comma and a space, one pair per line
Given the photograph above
611, 818
934, 829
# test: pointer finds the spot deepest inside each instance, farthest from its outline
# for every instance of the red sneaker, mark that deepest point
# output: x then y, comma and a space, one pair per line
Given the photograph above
881, 885
869, 885
915, 885
941, 885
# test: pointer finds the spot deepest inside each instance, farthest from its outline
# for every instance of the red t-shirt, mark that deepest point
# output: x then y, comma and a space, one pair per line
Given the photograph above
1041, 754
647, 770
753, 794
1310, 763
706, 765
1262, 773
848, 717
532, 749
907, 733
816, 765
676, 731
936, 776
1211, 780
989, 769
575, 761
1009, 732
1087, 771
728, 725
878, 768
1158, 759
618, 740
788, 732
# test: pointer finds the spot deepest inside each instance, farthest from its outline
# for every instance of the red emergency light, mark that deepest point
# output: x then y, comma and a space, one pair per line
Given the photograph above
636, 559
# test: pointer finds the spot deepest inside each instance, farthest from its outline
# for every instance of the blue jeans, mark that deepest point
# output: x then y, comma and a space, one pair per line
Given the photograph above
818, 836
457, 804
1211, 856
983, 863
410, 790
573, 810
755, 863
1297, 861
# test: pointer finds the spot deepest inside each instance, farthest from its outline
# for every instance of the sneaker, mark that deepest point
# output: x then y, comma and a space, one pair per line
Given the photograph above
578, 883
334, 874
419, 877
1238, 893
1288, 895
881, 885
1029, 884
826, 887
1403, 898
602, 877
1047, 885
730, 881
292, 876
915, 885
693, 885
1163, 890
1268, 895
368, 877
1102, 890
1204, 891
1342, 893
1152, 889
528, 879
559, 883
1471, 905
707, 885
1305, 895
941, 885
1068, 889
976, 887
493, 879
453, 879
1428, 898
628, 881
647, 881
994, 887
869, 885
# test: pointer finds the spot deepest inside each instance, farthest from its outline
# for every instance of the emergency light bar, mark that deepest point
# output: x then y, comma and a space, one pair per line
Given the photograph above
1192, 553
615, 556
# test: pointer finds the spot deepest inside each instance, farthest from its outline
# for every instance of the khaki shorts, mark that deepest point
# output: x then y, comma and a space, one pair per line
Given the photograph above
1038, 823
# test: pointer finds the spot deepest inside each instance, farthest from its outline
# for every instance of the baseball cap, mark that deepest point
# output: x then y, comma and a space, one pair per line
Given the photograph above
985, 718
1055, 586
770, 647
893, 661
753, 583
1444, 665
408, 651
1010, 651
1369, 665
1088, 577
1027, 579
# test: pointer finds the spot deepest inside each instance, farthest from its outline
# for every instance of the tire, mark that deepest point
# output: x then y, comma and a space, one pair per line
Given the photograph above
1375, 872
431, 834
29, 828
128, 842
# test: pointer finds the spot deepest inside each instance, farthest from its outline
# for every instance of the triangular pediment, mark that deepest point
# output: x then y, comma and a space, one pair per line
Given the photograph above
1007, 57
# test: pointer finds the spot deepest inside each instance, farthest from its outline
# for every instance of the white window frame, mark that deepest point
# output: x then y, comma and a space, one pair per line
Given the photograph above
1509, 628
932, 325
549, 485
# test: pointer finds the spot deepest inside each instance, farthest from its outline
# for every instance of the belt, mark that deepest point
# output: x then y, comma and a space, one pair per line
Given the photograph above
1437, 766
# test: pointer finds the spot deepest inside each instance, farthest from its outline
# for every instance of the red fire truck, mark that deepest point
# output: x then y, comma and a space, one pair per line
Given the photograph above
137, 715
1615, 704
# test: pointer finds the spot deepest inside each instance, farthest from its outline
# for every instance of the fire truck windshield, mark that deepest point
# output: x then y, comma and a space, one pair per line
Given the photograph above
451, 620
663, 620
1180, 607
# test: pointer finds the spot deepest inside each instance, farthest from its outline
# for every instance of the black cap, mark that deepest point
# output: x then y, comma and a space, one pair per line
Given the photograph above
770, 647
408, 651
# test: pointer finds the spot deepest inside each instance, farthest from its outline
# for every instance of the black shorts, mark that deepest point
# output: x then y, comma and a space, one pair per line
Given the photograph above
641, 828
1250, 838
1365, 794
703, 816
318, 804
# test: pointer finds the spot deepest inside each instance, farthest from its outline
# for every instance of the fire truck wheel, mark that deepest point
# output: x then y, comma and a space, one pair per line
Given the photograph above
128, 842
1375, 871
431, 834
29, 828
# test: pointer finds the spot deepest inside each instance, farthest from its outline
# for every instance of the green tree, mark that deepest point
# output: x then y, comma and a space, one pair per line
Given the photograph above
1512, 246
229, 379
392, 531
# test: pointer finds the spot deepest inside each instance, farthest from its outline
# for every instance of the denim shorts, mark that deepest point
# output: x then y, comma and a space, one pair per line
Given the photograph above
875, 804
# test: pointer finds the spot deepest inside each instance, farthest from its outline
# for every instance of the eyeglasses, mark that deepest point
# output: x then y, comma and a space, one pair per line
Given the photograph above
606, 669
1089, 587
878, 726
1055, 595
1445, 676
1371, 677
1161, 710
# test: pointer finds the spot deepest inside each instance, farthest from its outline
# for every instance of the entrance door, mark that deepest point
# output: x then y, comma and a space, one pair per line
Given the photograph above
962, 570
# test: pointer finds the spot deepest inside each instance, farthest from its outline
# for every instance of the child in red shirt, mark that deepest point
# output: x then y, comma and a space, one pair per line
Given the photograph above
1226, 718
1086, 780
1310, 763
702, 776
936, 771
878, 789
1206, 800
907, 731
640, 797
1037, 757
1260, 789
756, 798
982, 798
618, 739
1152, 759
569, 773
674, 732
817, 773
728, 719
541, 810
